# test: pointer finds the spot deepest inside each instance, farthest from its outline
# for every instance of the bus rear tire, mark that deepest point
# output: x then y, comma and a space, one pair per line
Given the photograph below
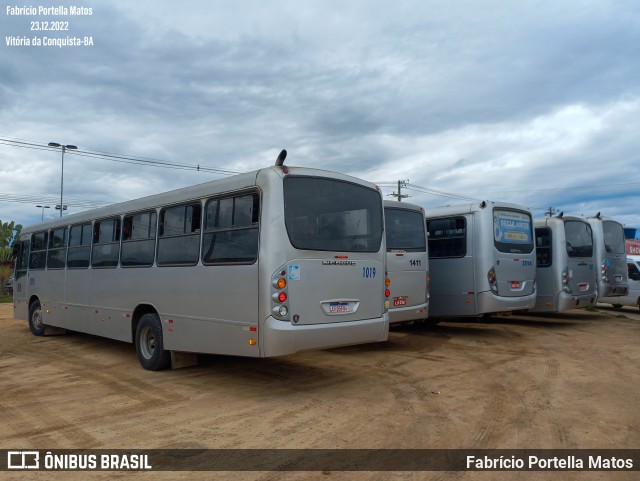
149, 345
35, 319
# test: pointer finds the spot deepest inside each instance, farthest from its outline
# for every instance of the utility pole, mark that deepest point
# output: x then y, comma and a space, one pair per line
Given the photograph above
550, 211
399, 194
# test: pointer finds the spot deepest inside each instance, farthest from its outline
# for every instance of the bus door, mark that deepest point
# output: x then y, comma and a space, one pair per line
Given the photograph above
21, 280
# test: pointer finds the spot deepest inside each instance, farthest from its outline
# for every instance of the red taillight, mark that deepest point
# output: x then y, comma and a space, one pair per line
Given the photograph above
282, 297
387, 293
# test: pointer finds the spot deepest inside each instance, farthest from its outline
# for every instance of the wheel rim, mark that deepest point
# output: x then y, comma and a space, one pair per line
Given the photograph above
36, 318
147, 342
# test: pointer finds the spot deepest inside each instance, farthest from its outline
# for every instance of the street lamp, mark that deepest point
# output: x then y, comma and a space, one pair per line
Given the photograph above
43, 208
63, 147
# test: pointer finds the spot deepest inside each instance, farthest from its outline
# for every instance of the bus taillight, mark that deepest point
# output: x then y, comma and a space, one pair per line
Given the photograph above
493, 281
565, 280
279, 295
603, 272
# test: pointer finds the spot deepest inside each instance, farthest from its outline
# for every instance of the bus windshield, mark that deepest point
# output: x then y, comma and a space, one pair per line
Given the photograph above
332, 215
613, 237
579, 238
512, 231
404, 230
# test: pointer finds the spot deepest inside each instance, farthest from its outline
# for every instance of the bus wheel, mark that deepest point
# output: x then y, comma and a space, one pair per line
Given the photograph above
35, 319
149, 347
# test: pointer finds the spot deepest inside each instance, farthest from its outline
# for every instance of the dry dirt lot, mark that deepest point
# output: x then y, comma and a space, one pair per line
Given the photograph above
563, 381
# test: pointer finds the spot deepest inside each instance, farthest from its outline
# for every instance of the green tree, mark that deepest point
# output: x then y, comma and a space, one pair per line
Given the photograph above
9, 233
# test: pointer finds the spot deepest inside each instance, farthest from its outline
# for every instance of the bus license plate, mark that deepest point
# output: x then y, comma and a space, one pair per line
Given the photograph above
515, 284
339, 307
399, 301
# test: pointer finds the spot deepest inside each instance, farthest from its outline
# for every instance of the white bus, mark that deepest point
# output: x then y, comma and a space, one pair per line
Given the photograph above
265, 263
610, 256
407, 261
566, 268
481, 259
632, 298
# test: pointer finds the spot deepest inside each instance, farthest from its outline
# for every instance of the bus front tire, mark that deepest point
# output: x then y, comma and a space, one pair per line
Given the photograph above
149, 345
35, 319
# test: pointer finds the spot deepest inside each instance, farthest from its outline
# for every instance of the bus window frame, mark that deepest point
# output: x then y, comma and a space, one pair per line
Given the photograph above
214, 231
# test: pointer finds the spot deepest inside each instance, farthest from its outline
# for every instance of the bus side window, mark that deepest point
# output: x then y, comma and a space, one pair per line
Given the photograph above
138, 239
179, 235
447, 237
106, 243
79, 246
38, 256
57, 249
543, 247
231, 230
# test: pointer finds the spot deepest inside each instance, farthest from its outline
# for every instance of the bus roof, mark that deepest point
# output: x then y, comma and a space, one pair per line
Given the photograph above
403, 205
214, 187
471, 208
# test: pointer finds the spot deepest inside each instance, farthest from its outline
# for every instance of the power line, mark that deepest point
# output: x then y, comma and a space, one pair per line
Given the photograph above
120, 158
425, 190
27, 199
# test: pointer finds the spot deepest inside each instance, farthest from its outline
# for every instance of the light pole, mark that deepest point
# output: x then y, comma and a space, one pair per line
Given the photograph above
43, 208
63, 147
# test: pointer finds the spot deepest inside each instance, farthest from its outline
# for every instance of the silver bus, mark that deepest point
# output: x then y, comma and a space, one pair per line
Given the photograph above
610, 256
566, 269
407, 261
481, 259
265, 263
632, 298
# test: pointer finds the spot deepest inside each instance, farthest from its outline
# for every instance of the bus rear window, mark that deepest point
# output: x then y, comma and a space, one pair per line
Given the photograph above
613, 237
332, 215
404, 230
512, 231
579, 239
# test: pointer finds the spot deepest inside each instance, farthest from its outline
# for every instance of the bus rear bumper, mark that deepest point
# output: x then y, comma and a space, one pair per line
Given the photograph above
613, 290
567, 301
563, 302
489, 303
409, 313
280, 338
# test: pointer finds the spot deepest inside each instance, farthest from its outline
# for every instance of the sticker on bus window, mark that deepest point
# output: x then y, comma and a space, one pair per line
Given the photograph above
511, 227
294, 273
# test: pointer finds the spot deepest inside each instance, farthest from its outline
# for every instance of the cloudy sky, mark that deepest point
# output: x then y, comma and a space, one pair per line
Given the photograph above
531, 102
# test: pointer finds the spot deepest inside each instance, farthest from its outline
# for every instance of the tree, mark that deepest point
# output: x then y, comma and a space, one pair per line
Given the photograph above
9, 233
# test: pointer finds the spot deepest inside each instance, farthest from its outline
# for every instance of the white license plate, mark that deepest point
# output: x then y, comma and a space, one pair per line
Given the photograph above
339, 307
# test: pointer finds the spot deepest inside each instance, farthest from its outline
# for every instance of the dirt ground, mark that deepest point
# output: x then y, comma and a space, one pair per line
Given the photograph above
565, 381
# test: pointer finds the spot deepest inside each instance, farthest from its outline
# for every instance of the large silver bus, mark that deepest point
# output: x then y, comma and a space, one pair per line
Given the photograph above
265, 263
481, 259
610, 256
566, 269
632, 298
407, 261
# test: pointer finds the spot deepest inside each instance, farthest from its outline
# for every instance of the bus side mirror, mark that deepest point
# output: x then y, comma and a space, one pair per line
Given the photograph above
15, 251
